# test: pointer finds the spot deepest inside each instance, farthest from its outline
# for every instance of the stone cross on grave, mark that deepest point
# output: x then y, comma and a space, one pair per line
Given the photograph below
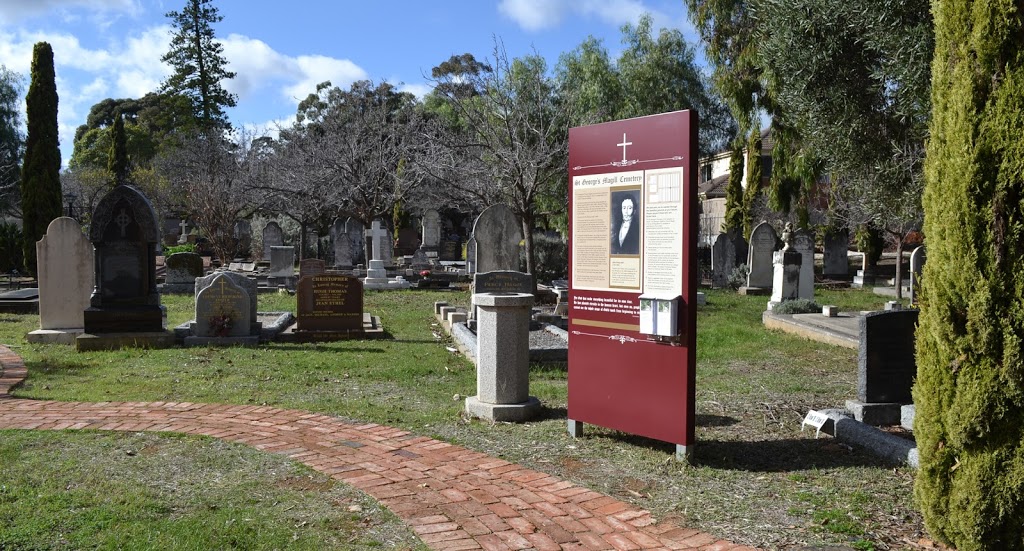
183, 226
376, 233
122, 220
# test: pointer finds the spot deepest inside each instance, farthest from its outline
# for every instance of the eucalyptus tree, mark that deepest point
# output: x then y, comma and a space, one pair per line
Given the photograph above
656, 73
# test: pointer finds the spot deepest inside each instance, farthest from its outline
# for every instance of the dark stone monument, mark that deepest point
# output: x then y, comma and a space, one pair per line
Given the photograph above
886, 365
124, 233
329, 303
181, 272
272, 237
836, 245
503, 281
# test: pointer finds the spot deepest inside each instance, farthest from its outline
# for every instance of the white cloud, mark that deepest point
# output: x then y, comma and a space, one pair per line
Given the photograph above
257, 66
14, 11
538, 15
317, 68
418, 90
535, 15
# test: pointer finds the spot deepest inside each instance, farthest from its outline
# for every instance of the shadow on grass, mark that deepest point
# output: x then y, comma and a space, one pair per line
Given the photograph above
317, 347
704, 420
781, 455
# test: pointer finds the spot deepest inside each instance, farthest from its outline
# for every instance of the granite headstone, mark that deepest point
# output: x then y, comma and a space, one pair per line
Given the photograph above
498, 233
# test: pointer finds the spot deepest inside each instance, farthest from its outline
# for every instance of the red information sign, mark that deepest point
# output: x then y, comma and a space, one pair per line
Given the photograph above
633, 276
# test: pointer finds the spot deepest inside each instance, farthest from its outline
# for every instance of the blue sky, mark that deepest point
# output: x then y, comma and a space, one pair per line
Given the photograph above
282, 49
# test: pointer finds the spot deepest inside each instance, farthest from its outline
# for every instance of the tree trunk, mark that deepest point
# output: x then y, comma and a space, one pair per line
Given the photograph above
899, 268
528, 220
302, 240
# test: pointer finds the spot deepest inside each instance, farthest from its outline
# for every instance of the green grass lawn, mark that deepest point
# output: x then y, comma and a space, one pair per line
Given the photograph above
757, 479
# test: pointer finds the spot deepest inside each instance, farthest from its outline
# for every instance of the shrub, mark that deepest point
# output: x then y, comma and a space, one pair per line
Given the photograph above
183, 248
738, 277
797, 306
552, 257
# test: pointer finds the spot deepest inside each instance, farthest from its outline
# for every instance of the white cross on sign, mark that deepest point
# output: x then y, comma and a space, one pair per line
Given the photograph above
623, 146
376, 233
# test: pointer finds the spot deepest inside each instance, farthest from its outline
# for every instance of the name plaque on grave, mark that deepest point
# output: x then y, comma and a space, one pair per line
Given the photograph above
451, 250
329, 302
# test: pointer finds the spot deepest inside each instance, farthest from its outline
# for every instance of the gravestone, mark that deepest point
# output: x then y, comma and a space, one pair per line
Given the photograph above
739, 244
376, 273
242, 282
311, 267
786, 275
357, 244
272, 237
470, 255
223, 309
408, 241
329, 303
282, 267
431, 227
379, 237
243, 238
886, 364
763, 243
124, 234
64, 261
452, 250
387, 250
183, 238
917, 260
723, 260
501, 281
498, 233
835, 263
419, 260
803, 243
341, 245
182, 269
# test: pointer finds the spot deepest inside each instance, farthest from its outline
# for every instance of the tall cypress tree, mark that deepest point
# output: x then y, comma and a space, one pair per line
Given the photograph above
117, 160
734, 190
40, 173
199, 64
970, 342
754, 176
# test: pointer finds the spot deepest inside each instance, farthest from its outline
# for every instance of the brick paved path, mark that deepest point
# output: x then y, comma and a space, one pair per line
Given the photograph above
453, 498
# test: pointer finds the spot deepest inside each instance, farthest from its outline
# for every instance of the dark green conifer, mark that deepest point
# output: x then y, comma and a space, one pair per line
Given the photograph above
970, 342
40, 173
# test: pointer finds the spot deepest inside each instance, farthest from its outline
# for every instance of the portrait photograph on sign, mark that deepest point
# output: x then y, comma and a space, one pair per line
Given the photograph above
625, 216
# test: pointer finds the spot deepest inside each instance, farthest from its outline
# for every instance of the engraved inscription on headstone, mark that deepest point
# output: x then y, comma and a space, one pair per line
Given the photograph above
329, 302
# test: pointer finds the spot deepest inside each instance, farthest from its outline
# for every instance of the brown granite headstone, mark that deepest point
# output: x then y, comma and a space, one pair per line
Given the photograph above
329, 302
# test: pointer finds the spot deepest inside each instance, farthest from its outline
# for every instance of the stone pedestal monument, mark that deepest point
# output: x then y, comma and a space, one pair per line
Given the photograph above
503, 358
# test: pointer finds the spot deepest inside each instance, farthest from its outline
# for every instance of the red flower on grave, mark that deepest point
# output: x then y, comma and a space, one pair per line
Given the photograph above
425, 273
